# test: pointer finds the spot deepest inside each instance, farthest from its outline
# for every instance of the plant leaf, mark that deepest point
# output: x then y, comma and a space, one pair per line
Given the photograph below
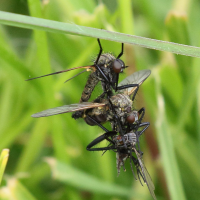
66, 28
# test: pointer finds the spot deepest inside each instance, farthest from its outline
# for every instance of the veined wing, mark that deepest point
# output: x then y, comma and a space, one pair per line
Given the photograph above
135, 78
67, 108
59, 72
146, 176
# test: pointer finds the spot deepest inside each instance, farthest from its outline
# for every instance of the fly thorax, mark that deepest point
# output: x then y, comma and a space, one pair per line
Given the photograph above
131, 138
106, 64
122, 105
122, 101
106, 58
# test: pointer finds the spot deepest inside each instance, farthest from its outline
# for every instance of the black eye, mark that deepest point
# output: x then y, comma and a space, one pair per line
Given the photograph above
118, 65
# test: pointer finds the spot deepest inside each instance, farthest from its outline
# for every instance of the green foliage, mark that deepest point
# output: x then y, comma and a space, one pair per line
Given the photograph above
170, 95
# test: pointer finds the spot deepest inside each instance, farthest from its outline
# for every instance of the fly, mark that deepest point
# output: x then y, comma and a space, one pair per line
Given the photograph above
124, 149
117, 109
105, 69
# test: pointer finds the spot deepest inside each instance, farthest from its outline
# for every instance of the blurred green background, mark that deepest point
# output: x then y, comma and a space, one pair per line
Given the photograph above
40, 148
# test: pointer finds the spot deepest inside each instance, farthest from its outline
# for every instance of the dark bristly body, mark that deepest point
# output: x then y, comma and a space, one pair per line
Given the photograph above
105, 69
105, 63
116, 108
124, 149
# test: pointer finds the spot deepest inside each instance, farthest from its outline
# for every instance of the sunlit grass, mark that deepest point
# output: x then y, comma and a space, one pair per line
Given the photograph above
3, 161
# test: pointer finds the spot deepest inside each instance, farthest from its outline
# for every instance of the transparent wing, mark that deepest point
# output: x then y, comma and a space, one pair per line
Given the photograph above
135, 78
67, 108
59, 72
146, 176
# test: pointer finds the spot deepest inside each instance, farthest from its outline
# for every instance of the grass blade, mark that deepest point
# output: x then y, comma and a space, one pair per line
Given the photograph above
70, 175
15, 190
66, 28
167, 150
3, 161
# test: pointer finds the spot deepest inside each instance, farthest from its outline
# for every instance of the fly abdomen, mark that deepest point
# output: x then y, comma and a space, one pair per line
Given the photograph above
98, 118
89, 87
99, 115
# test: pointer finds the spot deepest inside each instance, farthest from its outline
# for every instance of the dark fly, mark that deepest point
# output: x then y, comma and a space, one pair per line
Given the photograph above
126, 153
105, 69
118, 109
125, 149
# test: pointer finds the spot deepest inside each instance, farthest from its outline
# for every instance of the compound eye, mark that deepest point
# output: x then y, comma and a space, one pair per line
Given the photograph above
131, 118
117, 66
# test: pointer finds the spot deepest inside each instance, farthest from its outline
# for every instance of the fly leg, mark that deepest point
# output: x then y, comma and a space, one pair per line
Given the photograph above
98, 124
107, 81
139, 133
97, 60
135, 92
128, 86
101, 72
122, 51
117, 78
118, 122
146, 124
100, 51
98, 99
99, 139
141, 112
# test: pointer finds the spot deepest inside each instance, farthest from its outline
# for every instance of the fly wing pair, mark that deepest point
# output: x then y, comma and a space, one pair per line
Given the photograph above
135, 78
67, 108
145, 174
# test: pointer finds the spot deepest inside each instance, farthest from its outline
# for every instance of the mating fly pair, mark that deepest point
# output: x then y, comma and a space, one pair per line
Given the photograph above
114, 107
105, 69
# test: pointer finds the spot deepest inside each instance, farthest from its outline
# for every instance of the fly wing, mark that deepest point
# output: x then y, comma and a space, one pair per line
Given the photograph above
146, 176
135, 78
67, 108
59, 72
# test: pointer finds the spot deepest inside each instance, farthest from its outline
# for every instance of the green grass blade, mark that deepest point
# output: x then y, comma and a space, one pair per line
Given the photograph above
72, 176
177, 30
9, 135
66, 28
36, 139
15, 190
198, 117
167, 150
126, 13
43, 58
189, 99
3, 161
